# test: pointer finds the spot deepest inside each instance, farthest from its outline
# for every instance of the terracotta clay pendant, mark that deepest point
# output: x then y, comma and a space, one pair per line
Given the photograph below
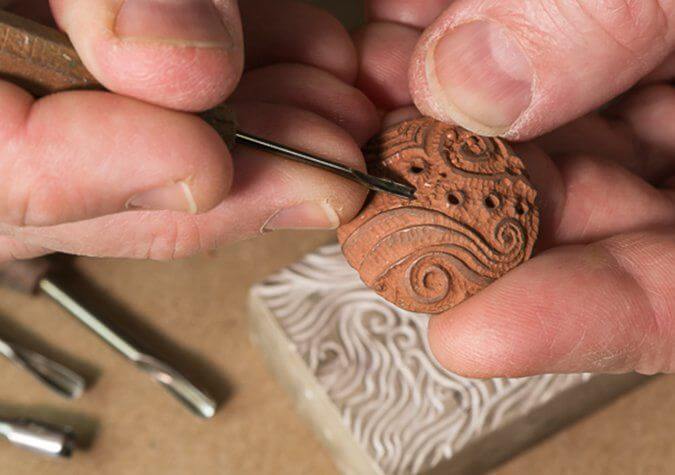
474, 217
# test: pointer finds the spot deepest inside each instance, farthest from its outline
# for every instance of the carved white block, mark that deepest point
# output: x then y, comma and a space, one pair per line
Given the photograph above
361, 372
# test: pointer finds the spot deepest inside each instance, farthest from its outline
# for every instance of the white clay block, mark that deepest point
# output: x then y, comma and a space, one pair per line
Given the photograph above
361, 372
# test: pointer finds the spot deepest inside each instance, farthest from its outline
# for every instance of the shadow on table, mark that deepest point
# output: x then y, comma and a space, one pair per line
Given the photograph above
84, 426
188, 362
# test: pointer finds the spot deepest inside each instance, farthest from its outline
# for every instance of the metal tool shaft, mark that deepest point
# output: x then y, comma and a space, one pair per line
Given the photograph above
194, 398
44, 61
38, 437
369, 181
55, 376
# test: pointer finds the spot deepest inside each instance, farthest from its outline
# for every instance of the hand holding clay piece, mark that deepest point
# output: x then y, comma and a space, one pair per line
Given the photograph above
474, 217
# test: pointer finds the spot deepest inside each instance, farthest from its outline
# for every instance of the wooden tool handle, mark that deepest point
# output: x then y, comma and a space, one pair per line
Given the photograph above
23, 276
44, 61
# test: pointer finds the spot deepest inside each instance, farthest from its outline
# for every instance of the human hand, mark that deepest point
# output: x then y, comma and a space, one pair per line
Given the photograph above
600, 294
132, 175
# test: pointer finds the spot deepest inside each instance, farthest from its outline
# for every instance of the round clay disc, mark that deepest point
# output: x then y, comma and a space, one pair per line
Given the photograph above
473, 219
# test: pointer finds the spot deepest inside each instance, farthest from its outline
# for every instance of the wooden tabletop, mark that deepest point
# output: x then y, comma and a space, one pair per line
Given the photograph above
194, 311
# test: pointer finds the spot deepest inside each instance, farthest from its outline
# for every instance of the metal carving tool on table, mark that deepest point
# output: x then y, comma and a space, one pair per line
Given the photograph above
32, 277
55, 376
44, 61
39, 437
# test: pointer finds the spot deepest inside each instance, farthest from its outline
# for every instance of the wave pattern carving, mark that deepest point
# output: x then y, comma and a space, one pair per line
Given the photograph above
373, 361
474, 217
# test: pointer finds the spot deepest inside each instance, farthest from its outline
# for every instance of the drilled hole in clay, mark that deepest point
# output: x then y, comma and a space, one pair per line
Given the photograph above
454, 198
432, 278
417, 166
521, 208
492, 202
444, 175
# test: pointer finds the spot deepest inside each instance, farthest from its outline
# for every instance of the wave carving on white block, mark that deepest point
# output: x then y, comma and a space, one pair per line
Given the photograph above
373, 361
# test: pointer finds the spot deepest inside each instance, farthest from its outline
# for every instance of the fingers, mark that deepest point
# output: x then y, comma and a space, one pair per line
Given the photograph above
606, 307
517, 69
183, 54
637, 133
283, 31
664, 72
289, 187
400, 115
419, 14
268, 194
384, 51
651, 115
314, 90
584, 199
79, 155
12, 249
596, 135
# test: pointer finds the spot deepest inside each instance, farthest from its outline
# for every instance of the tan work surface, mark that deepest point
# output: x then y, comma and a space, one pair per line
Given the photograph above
198, 305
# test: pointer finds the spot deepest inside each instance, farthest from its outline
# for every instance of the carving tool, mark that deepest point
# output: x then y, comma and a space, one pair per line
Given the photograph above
55, 376
32, 277
44, 61
39, 437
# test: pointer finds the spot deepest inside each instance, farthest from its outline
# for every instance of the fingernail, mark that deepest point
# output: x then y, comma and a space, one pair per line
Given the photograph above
307, 215
180, 22
480, 76
174, 197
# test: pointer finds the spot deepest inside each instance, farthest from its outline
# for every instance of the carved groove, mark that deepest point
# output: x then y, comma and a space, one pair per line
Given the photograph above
431, 253
373, 362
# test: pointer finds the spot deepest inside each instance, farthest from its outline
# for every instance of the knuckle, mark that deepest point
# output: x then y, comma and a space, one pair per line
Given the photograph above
330, 47
184, 78
633, 24
43, 202
16, 250
175, 240
32, 194
651, 315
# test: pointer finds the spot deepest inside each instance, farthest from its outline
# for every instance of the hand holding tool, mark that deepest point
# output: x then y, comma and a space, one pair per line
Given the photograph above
55, 376
44, 61
32, 277
39, 437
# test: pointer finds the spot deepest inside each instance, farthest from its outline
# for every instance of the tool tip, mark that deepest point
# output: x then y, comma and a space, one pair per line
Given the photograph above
194, 398
57, 377
388, 186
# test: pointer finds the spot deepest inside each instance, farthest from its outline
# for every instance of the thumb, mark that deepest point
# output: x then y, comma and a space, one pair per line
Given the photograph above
606, 307
518, 69
182, 54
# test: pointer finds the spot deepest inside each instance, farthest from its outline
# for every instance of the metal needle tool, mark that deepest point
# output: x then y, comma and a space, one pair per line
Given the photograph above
369, 181
32, 277
195, 399
38, 437
44, 61
55, 376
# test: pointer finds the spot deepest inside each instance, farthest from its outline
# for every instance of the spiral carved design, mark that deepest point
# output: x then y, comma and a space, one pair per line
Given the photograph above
474, 217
